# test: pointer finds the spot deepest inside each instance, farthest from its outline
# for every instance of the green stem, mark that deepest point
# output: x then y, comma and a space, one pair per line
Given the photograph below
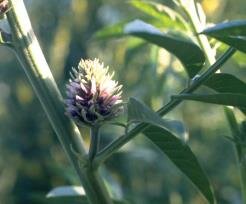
118, 143
99, 189
38, 72
94, 142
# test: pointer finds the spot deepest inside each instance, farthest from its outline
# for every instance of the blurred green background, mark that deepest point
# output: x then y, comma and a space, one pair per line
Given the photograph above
31, 159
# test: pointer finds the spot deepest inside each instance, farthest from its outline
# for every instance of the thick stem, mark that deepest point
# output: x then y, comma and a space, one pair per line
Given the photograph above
101, 193
38, 72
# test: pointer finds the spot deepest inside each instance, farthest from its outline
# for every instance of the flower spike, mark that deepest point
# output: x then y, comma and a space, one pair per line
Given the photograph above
92, 95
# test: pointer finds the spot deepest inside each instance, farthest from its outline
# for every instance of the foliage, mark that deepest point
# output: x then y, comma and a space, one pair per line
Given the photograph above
138, 173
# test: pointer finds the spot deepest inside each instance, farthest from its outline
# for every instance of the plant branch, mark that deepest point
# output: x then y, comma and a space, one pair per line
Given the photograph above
33, 62
118, 143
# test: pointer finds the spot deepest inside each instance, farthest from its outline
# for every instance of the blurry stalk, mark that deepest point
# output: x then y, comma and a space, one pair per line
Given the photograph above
38, 72
60, 46
197, 20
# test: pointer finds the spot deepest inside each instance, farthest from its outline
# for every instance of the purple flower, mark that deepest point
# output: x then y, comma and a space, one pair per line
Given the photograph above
92, 95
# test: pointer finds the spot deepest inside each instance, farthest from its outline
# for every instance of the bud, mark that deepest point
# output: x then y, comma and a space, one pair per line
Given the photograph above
92, 95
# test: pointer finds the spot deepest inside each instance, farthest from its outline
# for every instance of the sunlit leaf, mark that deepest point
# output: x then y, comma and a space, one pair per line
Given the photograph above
166, 15
66, 191
182, 156
182, 47
117, 30
232, 33
68, 195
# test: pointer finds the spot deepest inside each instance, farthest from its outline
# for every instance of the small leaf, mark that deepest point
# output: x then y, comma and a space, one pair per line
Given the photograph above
232, 33
182, 156
166, 15
66, 195
175, 43
228, 99
139, 112
66, 191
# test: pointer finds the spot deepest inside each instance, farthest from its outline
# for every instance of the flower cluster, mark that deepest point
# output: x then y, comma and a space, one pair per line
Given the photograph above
92, 95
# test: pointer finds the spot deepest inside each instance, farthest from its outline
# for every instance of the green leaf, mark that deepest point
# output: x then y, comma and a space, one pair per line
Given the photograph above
166, 15
232, 33
182, 156
175, 43
226, 83
175, 148
139, 112
228, 99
